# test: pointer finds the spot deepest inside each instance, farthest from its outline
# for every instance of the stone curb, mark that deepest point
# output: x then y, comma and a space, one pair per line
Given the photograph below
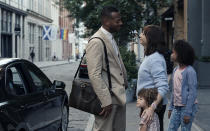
53, 65
43, 66
90, 123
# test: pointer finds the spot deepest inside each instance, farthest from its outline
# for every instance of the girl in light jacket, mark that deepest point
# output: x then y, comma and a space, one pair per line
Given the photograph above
183, 102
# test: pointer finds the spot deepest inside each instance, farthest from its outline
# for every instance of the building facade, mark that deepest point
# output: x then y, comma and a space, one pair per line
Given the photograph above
21, 28
57, 44
12, 28
66, 23
188, 20
39, 14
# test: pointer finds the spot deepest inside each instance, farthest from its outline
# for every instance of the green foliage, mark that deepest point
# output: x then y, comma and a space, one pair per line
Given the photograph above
205, 59
135, 13
129, 59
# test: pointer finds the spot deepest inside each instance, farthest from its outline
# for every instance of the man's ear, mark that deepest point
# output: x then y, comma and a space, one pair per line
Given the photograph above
106, 21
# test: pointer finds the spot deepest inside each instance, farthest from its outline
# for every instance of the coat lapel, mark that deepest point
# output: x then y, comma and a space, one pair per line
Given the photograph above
110, 47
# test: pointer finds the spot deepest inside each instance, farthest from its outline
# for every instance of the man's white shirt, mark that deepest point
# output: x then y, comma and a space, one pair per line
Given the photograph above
113, 42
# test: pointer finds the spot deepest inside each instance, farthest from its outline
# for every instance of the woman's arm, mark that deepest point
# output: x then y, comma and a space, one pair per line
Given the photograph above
148, 113
159, 76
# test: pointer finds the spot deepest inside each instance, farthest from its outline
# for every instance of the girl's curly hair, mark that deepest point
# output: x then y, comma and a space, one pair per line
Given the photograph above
149, 94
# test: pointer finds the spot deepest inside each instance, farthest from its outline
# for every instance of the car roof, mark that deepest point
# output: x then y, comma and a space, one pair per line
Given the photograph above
6, 61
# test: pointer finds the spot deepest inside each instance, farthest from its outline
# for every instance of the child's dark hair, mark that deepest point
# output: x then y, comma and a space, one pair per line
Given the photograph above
149, 94
185, 52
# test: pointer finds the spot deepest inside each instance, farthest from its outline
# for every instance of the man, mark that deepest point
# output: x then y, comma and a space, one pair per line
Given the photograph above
112, 118
32, 54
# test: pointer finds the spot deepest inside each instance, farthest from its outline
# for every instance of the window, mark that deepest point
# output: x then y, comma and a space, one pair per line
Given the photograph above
31, 4
31, 33
14, 82
40, 6
9, 22
6, 21
17, 23
40, 81
40, 43
23, 26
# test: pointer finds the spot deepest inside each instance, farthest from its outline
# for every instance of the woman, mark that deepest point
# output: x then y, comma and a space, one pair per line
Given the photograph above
152, 72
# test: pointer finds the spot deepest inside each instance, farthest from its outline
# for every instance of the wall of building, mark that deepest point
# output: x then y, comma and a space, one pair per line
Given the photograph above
39, 14
66, 22
57, 46
198, 36
178, 22
12, 14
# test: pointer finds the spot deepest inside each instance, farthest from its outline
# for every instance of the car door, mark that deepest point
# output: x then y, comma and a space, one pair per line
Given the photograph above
41, 85
22, 107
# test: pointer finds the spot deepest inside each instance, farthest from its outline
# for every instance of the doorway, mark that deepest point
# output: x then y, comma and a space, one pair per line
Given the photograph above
6, 46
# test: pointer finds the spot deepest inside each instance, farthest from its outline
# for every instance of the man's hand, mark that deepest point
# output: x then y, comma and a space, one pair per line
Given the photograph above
186, 119
169, 114
106, 111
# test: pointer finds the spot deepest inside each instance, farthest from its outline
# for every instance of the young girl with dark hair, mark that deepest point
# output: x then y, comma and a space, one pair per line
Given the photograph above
152, 71
183, 102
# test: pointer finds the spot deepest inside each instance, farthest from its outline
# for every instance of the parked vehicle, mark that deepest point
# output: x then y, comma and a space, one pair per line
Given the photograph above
29, 101
83, 72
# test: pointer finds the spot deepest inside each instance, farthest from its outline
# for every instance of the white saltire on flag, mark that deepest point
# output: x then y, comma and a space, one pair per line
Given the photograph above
46, 32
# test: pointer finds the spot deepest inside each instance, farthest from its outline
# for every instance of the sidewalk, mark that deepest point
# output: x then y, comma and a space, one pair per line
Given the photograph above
201, 121
45, 64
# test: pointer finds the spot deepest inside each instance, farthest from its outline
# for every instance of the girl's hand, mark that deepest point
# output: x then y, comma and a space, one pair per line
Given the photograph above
186, 119
169, 114
148, 114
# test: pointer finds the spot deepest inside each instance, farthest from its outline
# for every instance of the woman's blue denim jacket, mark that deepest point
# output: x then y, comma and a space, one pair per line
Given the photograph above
189, 89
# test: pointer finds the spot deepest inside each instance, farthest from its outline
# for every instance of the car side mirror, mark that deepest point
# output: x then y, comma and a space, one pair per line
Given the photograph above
59, 84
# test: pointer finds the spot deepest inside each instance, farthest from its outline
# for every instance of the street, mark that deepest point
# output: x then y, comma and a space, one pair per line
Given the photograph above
77, 119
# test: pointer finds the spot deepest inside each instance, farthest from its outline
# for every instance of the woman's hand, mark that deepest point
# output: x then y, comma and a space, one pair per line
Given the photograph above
148, 114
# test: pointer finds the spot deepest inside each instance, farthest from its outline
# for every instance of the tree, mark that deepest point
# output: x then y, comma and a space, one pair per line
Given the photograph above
129, 59
133, 13
88, 11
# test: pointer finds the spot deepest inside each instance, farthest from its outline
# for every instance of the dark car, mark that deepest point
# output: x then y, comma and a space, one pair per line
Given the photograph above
83, 72
29, 101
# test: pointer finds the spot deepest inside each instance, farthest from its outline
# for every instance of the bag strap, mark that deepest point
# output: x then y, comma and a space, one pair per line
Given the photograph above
106, 59
79, 65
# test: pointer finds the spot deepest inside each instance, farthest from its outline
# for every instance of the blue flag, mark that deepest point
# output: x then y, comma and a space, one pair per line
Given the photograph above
46, 32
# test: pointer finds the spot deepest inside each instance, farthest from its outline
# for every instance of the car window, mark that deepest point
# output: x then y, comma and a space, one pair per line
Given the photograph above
40, 81
14, 82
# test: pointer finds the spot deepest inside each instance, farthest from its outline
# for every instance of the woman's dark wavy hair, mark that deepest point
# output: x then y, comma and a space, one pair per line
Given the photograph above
155, 39
185, 52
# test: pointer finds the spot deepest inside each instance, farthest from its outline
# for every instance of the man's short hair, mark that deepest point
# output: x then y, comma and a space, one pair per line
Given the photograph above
107, 10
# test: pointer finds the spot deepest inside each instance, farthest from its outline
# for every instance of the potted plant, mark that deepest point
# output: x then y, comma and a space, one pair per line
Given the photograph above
129, 59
